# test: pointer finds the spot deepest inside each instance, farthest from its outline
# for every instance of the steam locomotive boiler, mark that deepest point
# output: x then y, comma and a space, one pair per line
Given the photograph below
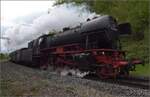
92, 46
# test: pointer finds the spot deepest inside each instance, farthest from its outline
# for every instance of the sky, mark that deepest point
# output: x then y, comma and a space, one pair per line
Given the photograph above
14, 9
23, 21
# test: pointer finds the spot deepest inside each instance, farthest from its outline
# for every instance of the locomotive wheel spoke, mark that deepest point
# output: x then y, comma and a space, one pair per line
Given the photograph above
102, 73
106, 72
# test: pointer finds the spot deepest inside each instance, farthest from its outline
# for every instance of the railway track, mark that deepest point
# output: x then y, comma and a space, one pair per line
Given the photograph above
134, 82
131, 81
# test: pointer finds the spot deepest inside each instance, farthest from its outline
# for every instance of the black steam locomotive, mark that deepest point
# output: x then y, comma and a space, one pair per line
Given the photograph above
92, 46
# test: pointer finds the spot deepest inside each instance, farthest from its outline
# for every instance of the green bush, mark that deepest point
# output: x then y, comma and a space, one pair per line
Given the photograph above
3, 56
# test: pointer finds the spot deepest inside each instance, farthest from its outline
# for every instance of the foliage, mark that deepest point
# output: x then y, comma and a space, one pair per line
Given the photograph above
136, 49
3, 56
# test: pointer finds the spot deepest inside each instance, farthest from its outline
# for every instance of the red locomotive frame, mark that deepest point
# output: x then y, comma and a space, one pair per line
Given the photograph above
107, 63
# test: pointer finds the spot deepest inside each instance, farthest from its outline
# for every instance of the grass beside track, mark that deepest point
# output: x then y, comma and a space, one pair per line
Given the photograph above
142, 70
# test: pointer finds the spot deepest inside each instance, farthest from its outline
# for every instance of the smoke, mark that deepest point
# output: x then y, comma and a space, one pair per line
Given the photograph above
60, 16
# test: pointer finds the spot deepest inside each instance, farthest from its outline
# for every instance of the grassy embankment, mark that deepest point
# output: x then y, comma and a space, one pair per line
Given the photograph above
142, 70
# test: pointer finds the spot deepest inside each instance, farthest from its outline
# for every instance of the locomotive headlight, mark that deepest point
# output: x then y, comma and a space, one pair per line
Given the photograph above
103, 53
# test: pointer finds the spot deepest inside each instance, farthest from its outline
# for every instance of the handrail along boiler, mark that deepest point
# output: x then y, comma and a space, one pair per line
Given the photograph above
93, 46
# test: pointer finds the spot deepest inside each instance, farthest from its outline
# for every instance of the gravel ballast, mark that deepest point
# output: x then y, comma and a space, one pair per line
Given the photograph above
17, 80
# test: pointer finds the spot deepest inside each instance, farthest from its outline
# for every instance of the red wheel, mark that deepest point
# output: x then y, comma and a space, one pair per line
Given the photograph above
106, 72
43, 65
102, 73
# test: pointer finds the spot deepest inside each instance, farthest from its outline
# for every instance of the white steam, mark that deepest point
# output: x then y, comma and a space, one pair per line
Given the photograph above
58, 17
